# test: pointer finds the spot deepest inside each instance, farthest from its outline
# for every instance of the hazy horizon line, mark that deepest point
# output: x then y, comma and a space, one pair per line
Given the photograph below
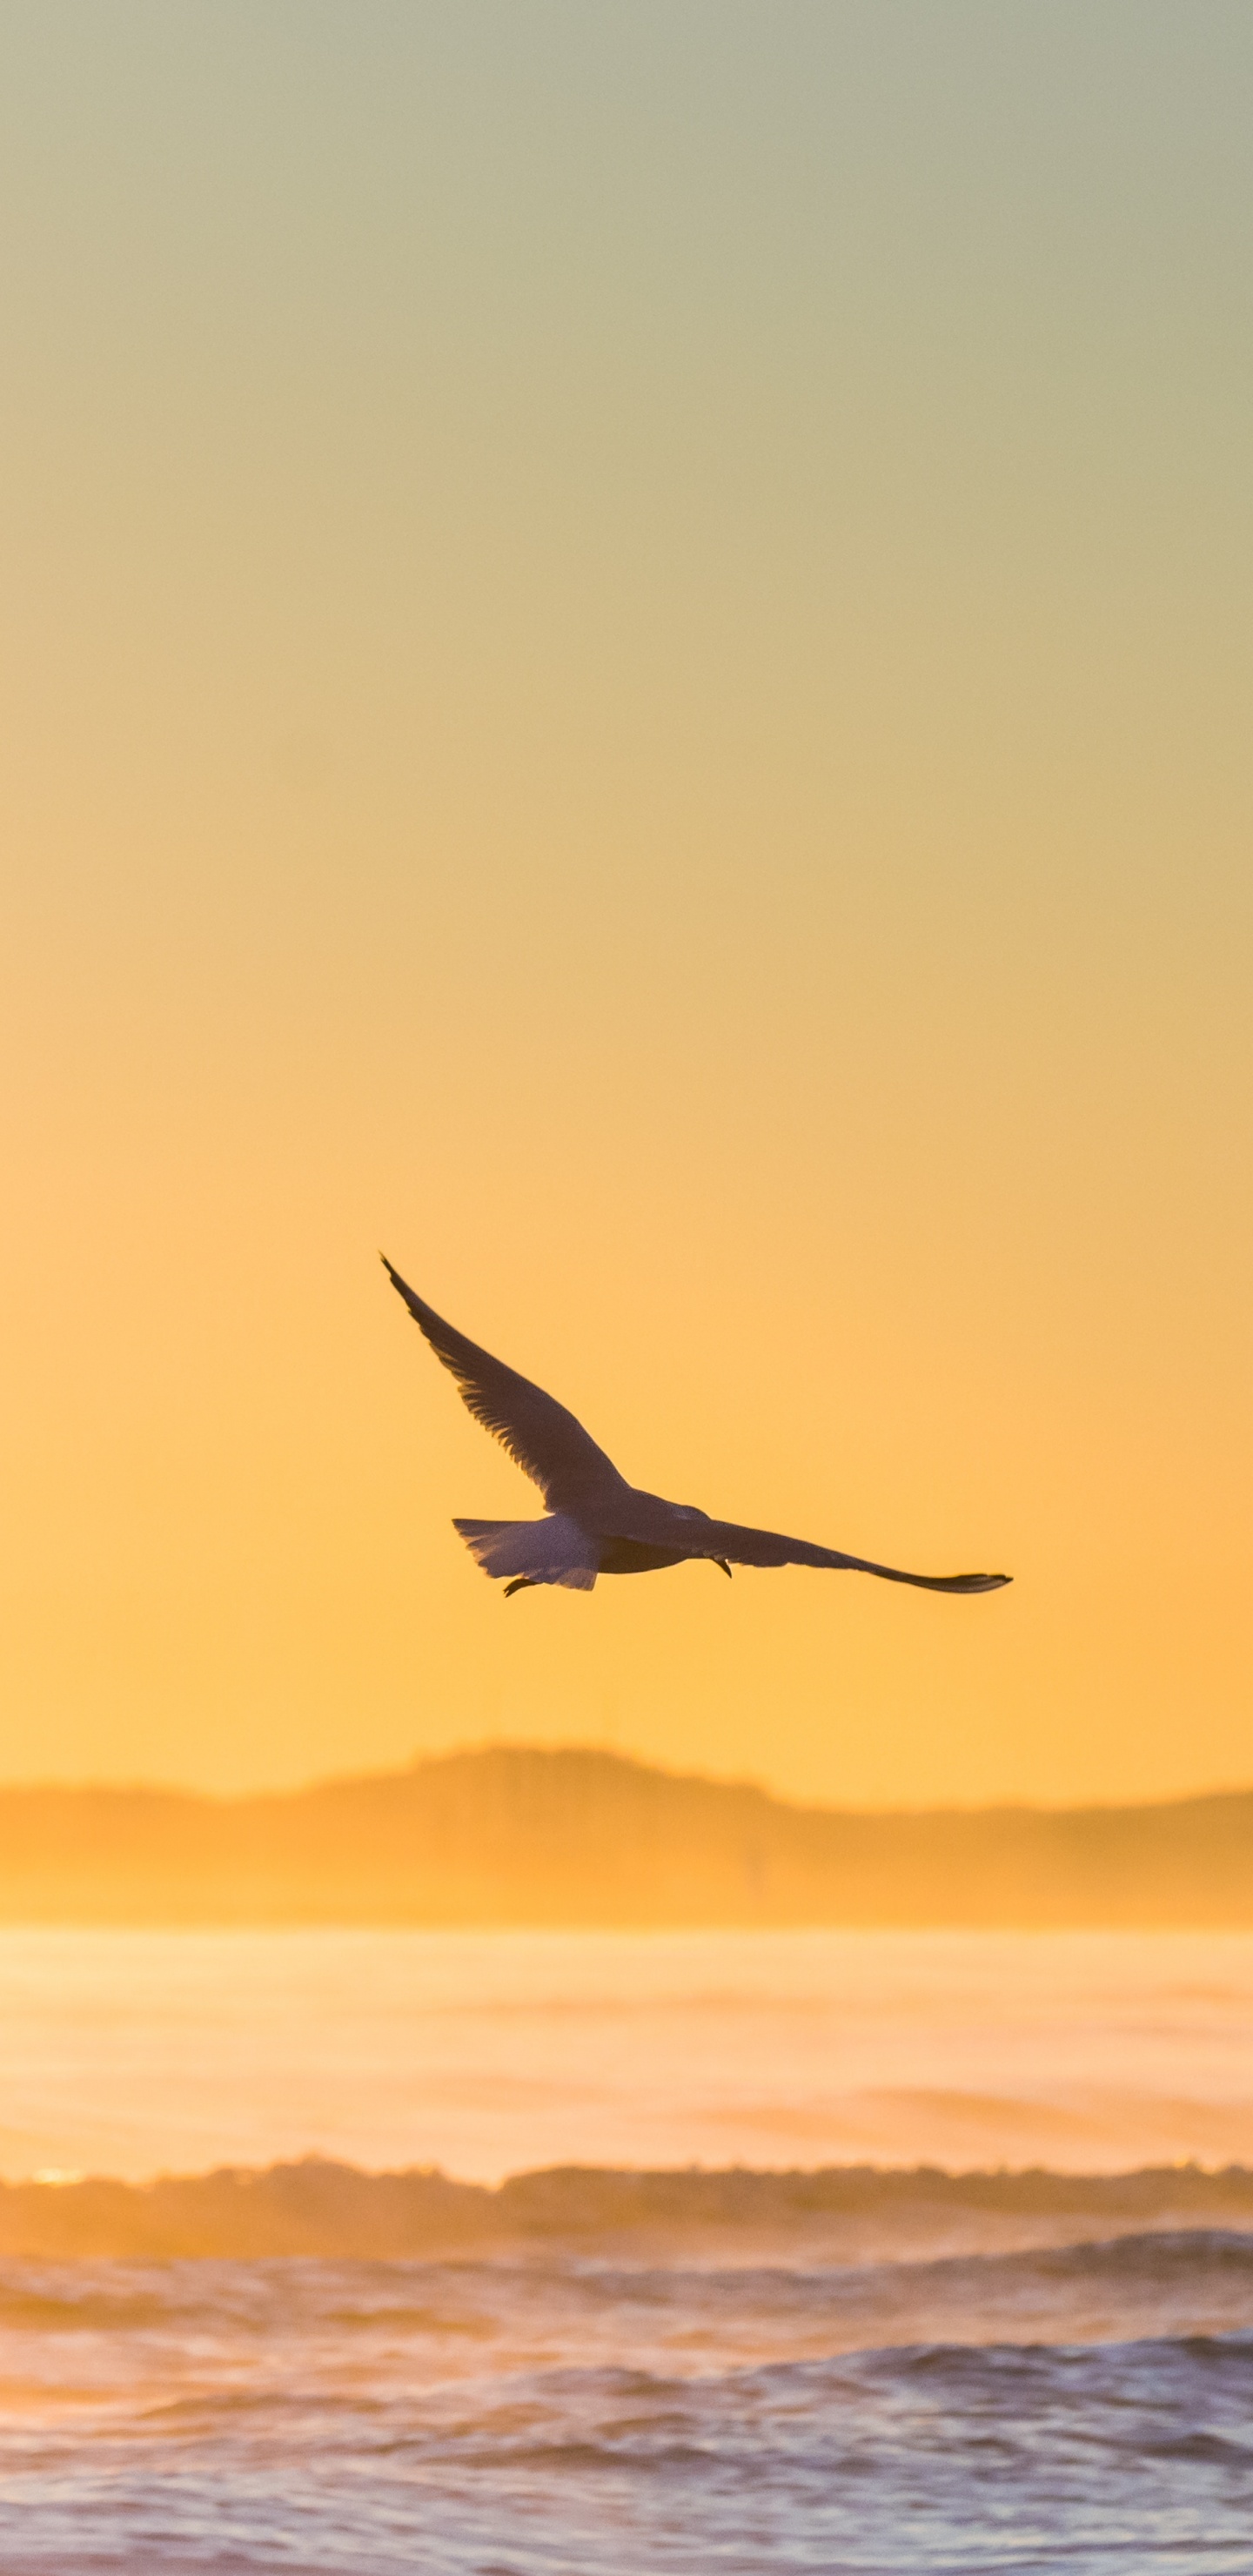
482, 1749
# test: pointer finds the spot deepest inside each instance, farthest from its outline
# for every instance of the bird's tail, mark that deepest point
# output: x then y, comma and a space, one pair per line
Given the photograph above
552, 1550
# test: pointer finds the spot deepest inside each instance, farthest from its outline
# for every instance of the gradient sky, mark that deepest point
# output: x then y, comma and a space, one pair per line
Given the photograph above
626, 639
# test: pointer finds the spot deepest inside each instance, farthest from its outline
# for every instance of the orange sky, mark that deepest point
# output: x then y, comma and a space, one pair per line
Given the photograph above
626, 654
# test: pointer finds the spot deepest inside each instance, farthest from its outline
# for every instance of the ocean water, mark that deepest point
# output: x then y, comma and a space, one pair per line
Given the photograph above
136, 2052
885, 2355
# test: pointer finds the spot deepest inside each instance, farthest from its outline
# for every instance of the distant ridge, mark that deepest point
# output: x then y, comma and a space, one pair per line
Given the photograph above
511, 1835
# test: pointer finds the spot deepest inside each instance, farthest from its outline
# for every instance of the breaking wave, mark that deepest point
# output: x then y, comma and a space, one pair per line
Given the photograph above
863, 2369
315, 2206
318, 2207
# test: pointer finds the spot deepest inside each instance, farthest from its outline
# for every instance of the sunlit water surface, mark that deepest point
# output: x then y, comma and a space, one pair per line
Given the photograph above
1030, 2394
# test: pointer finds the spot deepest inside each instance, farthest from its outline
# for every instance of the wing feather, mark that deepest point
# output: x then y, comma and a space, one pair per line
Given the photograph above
546, 1441
555, 1550
768, 1547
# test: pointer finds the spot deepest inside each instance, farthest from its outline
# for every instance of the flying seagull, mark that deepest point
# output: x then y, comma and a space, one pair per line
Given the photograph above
595, 1522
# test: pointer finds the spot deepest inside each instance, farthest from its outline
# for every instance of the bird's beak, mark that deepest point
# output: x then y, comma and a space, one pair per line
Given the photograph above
721, 1560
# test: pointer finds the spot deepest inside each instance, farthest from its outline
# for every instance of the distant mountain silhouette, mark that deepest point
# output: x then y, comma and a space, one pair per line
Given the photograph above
515, 1836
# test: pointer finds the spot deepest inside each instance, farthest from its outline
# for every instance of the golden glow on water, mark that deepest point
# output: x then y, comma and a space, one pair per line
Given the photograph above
493, 2053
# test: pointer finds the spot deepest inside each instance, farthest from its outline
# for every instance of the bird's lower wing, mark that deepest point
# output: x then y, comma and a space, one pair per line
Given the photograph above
768, 1547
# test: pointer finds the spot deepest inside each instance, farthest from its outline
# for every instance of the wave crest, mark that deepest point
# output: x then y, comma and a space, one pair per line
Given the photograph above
318, 2207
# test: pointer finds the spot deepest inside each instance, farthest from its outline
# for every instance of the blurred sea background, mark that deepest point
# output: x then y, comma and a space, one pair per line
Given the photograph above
830, 2250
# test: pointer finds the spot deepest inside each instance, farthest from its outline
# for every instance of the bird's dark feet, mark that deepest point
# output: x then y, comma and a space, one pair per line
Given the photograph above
721, 1560
520, 1583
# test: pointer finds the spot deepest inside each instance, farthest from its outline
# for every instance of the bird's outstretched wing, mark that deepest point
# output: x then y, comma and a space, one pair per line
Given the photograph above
544, 1440
766, 1547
